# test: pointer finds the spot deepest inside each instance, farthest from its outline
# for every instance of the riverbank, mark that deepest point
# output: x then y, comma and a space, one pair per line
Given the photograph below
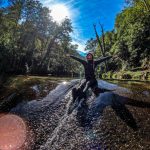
19, 83
117, 127
53, 129
128, 75
16, 89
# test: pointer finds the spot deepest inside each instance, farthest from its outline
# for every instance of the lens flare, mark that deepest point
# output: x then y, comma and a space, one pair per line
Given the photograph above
13, 132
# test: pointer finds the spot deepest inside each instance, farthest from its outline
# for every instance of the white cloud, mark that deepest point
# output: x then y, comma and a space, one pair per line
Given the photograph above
81, 46
77, 39
47, 2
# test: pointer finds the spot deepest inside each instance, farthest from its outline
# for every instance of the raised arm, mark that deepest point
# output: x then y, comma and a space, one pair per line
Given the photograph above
78, 59
98, 61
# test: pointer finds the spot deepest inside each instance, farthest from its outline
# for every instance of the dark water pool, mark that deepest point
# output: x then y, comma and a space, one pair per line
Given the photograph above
116, 120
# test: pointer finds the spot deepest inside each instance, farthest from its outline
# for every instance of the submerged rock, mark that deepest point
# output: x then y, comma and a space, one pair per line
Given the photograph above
110, 121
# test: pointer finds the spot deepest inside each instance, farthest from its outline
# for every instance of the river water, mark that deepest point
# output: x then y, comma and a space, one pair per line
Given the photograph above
116, 120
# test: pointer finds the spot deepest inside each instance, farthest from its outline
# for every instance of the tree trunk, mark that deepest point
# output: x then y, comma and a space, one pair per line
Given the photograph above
101, 46
103, 43
146, 5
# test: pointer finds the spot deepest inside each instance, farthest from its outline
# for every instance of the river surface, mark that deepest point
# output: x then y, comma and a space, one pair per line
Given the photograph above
115, 120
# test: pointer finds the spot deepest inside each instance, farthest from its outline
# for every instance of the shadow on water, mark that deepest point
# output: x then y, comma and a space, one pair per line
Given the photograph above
52, 125
87, 116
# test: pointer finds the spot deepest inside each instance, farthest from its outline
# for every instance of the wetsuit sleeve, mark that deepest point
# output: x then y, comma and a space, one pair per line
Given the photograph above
102, 60
78, 59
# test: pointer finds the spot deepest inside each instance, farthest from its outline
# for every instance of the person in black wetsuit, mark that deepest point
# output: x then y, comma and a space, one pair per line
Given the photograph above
90, 80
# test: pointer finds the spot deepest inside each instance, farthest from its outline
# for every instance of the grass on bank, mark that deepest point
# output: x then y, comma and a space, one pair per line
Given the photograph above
128, 75
17, 82
23, 86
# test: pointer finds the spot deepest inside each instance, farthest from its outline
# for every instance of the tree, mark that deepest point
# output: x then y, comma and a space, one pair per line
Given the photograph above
91, 45
129, 40
29, 37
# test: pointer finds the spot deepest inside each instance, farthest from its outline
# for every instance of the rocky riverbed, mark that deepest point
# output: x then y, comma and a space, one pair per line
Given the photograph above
116, 120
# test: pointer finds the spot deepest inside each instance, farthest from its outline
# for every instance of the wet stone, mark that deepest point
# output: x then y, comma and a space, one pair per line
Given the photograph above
118, 125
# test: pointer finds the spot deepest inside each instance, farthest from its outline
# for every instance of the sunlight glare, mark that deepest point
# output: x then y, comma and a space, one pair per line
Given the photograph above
64, 82
60, 12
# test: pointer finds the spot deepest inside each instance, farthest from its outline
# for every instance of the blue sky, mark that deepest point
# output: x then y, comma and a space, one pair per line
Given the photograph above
85, 13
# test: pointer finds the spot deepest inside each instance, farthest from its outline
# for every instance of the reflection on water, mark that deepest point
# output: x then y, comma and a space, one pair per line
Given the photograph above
118, 104
117, 100
133, 85
125, 110
129, 103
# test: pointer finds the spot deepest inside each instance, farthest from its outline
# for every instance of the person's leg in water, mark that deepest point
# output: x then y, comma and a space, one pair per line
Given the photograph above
84, 86
97, 90
88, 84
91, 84
79, 90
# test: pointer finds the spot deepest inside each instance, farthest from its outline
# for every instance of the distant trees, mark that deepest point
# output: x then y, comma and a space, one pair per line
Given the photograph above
130, 39
29, 37
30, 41
133, 33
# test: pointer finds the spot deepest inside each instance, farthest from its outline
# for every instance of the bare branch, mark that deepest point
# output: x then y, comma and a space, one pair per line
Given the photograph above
99, 42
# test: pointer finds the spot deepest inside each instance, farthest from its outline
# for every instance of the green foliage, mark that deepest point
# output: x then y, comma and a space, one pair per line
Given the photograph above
134, 31
91, 45
129, 42
127, 75
31, 40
